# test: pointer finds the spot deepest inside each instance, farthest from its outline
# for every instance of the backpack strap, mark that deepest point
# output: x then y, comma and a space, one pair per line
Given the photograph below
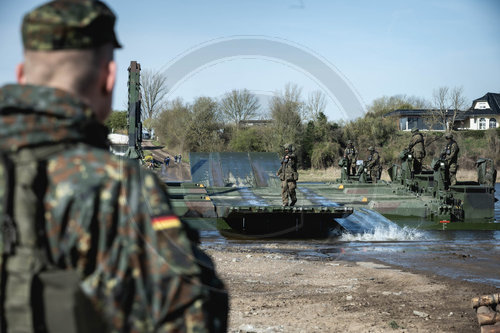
24, 257
8, 236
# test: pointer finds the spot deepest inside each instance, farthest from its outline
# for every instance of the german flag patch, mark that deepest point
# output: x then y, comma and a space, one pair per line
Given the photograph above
166, 222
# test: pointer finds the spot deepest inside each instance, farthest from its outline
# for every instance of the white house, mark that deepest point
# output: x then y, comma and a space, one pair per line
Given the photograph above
484, 113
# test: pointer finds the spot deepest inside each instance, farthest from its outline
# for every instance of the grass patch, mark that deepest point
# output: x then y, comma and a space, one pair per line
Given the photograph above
394, 325
319, 175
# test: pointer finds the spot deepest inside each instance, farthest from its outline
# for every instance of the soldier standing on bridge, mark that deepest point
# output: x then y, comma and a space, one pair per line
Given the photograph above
88, 242
351, 155
373, 164
417, 150
450, 155
288, 175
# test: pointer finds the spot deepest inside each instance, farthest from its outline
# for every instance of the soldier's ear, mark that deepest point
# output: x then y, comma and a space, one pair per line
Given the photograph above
110, 77
20, 76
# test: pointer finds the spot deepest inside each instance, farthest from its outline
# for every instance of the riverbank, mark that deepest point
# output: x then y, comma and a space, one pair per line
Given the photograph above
333, 173
283, 292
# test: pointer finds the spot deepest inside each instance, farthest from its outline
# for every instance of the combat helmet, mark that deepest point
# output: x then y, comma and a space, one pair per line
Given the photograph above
448, 136
371, 148
349, 142
414, 130
288, 147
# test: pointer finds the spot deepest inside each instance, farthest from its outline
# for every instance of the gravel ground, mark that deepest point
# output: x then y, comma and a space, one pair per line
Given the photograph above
281, 292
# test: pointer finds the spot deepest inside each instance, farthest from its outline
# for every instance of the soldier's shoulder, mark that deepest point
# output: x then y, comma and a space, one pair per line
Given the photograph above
87, 162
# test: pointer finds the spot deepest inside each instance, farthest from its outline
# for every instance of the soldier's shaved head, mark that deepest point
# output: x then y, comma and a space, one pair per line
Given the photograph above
88, 74
75, 71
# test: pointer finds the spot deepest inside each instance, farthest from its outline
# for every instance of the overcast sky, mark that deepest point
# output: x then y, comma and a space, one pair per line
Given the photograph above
376, 48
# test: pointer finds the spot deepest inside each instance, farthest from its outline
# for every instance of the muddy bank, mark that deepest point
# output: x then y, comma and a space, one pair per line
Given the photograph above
282, 292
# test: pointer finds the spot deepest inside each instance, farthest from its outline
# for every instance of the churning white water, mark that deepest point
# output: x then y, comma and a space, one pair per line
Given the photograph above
368, 225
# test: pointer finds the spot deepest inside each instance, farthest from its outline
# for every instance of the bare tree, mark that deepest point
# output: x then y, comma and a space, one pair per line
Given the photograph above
447, 104
316, 104
154, 89
457, 103
440, 106
239, 105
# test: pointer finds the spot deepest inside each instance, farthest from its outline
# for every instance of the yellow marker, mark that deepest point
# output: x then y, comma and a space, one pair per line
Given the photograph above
341, 186
166, 222
201, 185
365, 199
207, 198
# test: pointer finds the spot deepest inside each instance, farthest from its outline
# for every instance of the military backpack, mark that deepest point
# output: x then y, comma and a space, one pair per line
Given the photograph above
36, 295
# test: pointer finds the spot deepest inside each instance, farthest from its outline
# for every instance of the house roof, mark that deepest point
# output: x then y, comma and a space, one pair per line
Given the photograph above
493, 100
408, 112
423, 113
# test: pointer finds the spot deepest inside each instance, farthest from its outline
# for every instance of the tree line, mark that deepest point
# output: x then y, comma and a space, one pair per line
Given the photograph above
237, 122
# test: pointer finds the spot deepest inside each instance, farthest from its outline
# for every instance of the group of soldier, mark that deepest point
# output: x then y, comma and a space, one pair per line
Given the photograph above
372, 164
416, 148
449, 155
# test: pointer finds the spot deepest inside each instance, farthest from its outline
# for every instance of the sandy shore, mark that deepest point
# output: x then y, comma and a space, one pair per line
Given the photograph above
280, 292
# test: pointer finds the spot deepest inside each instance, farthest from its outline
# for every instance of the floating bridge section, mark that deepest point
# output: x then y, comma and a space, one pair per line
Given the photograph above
244, 193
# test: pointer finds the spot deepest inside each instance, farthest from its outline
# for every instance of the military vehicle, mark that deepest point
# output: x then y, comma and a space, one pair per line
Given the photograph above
425, 198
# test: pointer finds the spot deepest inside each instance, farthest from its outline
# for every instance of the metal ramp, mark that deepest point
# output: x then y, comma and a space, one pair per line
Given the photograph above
235, 169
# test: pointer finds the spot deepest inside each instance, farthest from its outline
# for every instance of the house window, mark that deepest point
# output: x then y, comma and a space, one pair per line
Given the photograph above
412, 122
493, 123
482, 123
402, 123
482, 105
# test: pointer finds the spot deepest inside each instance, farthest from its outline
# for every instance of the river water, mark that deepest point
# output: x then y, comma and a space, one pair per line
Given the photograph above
467, 255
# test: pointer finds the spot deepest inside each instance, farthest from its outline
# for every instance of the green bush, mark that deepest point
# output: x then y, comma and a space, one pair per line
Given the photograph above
472, 134
325, 154
116, 121
248, 139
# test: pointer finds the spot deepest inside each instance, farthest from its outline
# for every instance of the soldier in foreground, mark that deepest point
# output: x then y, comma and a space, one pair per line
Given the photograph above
351, 155
288, 175
417, 150
450, 155
89, 242
373, 164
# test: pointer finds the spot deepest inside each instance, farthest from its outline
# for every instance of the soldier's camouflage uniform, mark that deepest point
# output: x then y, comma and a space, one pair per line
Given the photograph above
417, 150
351, 154
288, 176
450, 153
373, 165
111, 221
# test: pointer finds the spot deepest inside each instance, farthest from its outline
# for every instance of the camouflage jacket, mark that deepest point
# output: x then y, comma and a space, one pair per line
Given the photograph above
110, 220
416, 145
288, 169
373, 160
450, 152
351, 153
